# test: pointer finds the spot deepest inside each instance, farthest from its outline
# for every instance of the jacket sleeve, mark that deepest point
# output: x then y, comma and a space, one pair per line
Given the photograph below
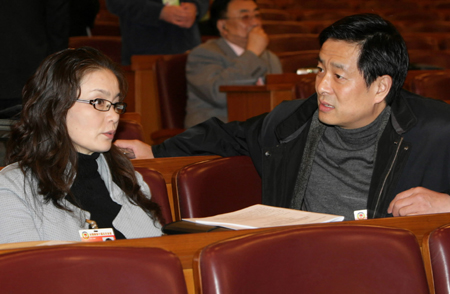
213, 137
144, 186
207, 69
202, 7
143, 12
17, 223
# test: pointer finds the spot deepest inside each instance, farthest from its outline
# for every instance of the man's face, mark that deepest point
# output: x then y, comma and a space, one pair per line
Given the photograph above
242, 17
343, 97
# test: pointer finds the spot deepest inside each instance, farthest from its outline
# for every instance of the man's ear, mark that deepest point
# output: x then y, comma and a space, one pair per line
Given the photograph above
221, 27
382, 85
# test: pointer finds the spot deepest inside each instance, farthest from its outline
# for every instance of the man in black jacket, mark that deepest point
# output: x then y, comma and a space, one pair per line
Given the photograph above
359, 146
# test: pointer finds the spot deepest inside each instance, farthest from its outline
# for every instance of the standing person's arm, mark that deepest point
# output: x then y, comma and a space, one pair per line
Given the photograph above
57, 24
150, 13
140, 11
202, 7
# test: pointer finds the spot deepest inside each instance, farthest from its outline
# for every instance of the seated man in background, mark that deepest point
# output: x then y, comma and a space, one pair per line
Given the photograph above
361, 144
239, 57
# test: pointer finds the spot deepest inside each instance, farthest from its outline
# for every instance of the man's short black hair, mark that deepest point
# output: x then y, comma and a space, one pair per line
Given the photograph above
382, 48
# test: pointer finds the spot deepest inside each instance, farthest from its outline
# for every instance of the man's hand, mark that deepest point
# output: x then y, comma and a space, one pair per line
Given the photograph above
419, 200
191, 14
257, 40
140, 149
182, 16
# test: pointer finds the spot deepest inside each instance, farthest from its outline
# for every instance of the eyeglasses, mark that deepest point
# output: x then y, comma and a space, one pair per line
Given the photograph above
247, 18
105, 105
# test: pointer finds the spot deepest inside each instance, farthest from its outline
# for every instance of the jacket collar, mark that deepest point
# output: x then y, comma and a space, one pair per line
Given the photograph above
227, 50
296, 120
402, 117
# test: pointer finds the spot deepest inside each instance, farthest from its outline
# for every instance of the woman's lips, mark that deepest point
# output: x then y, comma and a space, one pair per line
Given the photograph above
110, 134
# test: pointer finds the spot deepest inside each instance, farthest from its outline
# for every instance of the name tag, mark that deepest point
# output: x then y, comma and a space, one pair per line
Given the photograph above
97, 235
360, 214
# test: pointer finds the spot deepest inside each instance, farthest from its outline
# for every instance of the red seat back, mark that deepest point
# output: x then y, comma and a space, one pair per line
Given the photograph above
324, 259
158, 188
438, 243
68, 270
216, 186
171, 78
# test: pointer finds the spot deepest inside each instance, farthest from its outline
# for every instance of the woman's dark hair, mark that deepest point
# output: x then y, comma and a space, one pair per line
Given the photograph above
40, 142
382, 48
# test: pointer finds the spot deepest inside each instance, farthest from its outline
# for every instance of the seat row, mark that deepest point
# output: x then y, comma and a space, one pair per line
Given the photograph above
306, 17
325, 259
278, 43
334, 14
206, 176
354, 4
111, 28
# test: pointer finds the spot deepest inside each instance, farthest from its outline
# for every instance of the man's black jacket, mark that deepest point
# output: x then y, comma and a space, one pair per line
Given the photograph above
413, 151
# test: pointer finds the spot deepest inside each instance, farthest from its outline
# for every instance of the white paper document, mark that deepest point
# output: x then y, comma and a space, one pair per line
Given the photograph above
264, 216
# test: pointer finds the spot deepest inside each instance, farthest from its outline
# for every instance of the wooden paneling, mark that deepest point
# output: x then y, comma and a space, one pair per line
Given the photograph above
247, 101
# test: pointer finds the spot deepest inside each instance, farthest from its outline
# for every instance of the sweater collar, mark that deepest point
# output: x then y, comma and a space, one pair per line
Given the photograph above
87, 165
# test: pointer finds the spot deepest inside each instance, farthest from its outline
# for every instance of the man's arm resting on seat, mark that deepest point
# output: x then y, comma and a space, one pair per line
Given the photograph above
419, 200
213, 137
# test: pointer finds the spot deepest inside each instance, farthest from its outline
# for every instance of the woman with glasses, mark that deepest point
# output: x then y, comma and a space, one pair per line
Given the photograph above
65, 175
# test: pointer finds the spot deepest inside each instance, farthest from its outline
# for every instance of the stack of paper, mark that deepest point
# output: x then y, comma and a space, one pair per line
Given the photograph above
263, 216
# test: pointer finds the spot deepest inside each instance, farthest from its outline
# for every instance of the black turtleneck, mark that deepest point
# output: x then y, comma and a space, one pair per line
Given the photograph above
91, 193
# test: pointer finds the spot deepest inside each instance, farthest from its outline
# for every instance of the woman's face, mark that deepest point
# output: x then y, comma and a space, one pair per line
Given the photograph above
89, 129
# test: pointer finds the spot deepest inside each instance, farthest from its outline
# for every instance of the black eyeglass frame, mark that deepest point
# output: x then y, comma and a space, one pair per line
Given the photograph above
115, 105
